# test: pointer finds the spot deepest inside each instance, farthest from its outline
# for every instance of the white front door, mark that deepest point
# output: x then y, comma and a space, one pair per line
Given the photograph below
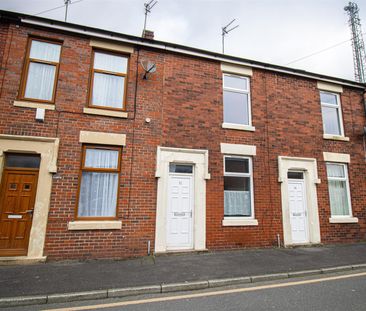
298, 211
180, 212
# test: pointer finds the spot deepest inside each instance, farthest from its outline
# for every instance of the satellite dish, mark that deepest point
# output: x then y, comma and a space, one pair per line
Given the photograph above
148, 66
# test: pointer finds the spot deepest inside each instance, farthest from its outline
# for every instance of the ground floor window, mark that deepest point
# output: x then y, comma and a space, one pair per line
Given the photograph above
339, 194
99, 175
238, 187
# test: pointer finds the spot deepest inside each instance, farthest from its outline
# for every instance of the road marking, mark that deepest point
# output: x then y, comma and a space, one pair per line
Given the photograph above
206, 294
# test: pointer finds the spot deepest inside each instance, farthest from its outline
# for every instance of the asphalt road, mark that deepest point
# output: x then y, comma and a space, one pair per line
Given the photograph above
345, 292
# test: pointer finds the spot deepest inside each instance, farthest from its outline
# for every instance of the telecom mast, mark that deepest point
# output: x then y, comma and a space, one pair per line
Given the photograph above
358, 46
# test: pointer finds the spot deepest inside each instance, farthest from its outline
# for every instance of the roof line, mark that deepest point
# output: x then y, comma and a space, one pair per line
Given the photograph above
181, 49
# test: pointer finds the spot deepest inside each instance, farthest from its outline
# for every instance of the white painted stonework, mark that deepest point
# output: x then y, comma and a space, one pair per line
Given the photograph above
118, 47
237, 69
95, 225
309, 167
199, 160
238, 149
330, 87
337, 157
102, 138
238, 127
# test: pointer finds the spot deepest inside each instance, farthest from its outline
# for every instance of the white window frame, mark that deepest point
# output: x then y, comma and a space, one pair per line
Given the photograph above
250, 175
339, 109
241, 91
345, 178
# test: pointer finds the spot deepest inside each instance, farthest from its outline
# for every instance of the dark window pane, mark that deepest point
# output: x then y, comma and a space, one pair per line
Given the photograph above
236, 183
295, 175
180, 168
237, 198
236, 165
22, 160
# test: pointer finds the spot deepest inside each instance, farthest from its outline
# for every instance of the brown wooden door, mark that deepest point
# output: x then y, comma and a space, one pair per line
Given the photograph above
17, 196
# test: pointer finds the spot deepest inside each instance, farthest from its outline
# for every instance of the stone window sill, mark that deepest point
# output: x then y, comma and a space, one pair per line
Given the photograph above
26, 104
335, 137
239, 127
105, 112
343, 220
239, 221
95, 225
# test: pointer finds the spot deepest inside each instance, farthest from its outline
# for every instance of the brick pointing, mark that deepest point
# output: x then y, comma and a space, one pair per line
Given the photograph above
184, 101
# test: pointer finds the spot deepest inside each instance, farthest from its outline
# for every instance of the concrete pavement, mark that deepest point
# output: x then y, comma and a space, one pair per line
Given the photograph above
70, 277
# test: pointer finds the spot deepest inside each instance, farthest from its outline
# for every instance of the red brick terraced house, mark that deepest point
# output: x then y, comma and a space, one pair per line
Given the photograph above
99, 159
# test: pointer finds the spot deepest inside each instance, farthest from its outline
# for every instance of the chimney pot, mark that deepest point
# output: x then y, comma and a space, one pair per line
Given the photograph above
148, 34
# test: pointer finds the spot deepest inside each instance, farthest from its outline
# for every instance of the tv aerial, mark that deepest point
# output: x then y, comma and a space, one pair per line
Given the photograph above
225, 31
148, 7
149, 67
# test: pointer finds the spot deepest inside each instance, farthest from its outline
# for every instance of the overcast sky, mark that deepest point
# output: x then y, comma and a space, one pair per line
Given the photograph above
273, 31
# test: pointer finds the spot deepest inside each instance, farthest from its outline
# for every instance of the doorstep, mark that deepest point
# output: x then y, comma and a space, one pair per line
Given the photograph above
304, 245
181, 252
21, 260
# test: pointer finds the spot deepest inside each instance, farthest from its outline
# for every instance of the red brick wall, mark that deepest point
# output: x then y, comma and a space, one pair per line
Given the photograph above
184, 101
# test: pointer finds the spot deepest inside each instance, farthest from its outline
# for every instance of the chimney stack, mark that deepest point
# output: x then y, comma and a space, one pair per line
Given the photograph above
148, 34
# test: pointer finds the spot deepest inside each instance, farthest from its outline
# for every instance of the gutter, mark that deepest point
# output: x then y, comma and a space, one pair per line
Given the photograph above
92, 32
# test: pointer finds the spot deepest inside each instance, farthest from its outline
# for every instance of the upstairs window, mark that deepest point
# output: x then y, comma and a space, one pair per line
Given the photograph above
108, 81
331, 112
41, 70
236, 100
339, 194
238, 187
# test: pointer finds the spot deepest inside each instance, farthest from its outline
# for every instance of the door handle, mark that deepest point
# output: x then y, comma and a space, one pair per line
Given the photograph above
176, 214
30, 212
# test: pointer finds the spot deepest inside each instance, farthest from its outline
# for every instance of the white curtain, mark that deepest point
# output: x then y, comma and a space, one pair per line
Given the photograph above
338, 198
335, 170
108, 90
99, 158
40, 81
337, 190
110, 62
45, 51
98, 194
98, 191
237, 203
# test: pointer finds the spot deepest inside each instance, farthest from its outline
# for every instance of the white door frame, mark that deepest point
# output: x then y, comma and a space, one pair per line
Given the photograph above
309, 167
191, 193
302, 181
199, 159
